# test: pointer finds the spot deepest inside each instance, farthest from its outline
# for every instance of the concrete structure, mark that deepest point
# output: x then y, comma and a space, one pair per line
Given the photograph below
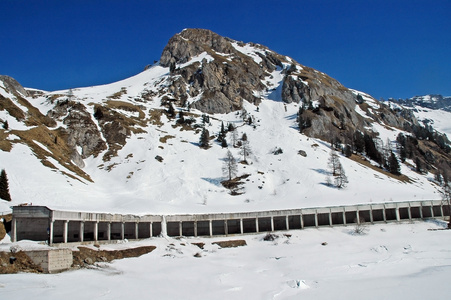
42, 224
53, 260
39, 223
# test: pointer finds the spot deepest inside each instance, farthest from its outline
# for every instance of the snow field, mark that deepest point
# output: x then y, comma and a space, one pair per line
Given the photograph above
389, 261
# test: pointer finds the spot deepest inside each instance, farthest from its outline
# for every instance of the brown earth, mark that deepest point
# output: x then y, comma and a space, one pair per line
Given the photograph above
87, 256
11, 263
231, 244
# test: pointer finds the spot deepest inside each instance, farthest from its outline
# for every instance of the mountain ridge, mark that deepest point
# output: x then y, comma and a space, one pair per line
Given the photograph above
134, 144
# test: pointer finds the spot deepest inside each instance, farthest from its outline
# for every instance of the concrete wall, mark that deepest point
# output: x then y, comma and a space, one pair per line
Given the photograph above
52, 261
41, 223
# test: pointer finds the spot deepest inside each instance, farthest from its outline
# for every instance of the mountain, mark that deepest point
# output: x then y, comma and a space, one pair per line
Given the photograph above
134, 145
427, 101
431, 110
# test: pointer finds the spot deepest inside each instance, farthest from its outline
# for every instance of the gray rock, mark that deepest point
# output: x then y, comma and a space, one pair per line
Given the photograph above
12, 86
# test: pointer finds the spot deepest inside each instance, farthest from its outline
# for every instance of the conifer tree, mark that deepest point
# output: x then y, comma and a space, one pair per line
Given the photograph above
393, 165
4, 187
204, 139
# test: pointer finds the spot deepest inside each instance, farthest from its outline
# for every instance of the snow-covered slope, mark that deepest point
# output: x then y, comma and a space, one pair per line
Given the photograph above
125, 176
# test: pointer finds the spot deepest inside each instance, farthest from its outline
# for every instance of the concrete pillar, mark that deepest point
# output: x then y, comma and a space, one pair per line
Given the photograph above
344, 216
137, 230
81, 234
108, 231
302, 221
180, 228
96, 231
123, 231
316, 218
226, 228
241, 226
210, 225
410, 213
14, 230
441, 209
151, 229
398, 216
272, 223
357, 216
330, 217
383, 214
65, 229
287, 223
256, 225
432, 210
51, 232
371, 214
195, 228
421, 211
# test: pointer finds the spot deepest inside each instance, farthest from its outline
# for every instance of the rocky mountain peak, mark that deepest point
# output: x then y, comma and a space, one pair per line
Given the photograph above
192, 42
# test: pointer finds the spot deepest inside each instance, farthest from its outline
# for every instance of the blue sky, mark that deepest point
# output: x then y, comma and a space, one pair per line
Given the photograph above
388, 49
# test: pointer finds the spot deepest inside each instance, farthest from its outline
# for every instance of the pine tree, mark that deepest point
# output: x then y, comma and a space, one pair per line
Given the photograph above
359, 142
4, 187
5, 125
230, 167
393, 165
204, 139
224, 143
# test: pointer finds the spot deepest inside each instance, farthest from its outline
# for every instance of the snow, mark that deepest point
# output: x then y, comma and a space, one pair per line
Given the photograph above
388, 261
439, 119
188, 179
249, 50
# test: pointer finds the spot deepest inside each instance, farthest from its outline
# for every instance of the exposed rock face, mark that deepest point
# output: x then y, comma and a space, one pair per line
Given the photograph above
12, 85
192, 42
224, 79
81, 130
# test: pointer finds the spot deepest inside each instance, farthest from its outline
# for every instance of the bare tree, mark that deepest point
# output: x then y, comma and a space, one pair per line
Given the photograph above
337, 171
230, 167
234, 138
245, 149
334, 162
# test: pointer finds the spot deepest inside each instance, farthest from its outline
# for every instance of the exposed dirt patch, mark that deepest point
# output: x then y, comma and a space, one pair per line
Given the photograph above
200, 245
87, 256
165, 138
234, 185
231, 244
11, 263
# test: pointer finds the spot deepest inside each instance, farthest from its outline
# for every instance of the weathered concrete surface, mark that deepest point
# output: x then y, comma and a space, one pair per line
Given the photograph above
52, 260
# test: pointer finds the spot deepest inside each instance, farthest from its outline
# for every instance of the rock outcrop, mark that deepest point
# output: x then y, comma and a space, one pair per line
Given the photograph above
12, 86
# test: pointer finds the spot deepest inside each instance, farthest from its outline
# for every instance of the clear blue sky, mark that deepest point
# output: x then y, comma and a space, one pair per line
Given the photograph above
392, 48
